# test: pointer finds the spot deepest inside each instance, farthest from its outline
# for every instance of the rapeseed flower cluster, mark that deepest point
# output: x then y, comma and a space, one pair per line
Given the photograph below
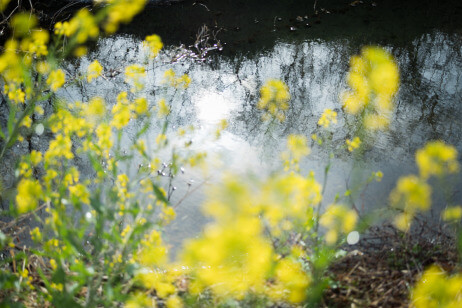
338, 219
56, 79
176, 82
29, 194
436, 289
154, 44
327, 118
134, 75
121, 11
437, 159
452, 213
297, 148
353, 144
3, 5
374, 81
124, 110
235, 257
274, 99
412, 193
94, 70
287, 202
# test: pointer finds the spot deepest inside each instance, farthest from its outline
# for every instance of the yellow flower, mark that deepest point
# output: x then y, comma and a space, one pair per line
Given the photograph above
328, 116
436, 289
141, 106
56, 79
161, 138
121, 114
15, 93
22, 23
83, 26
452, 213
171, 80
96, 108
60, 147
163, 109
36, 235
3, 5
122, 11
292, 278
338, 218
274, 99
174, 301
353, 145
139, 300
94, 70
35, 157
79, 194
376, 121
104, 134
134, 75
374, 81
297, 149
154, 43
437, 158
231, 259
412, 194
29, 194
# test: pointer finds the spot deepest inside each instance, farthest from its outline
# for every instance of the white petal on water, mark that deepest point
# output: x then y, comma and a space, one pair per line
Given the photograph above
353, 238
39, 129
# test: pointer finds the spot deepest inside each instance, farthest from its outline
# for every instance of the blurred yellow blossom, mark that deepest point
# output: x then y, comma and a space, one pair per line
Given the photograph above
173, 301
163, 109
56, 79
274, 99
337, 219
22, 23
121, 11
154, 43
374, 80
328, 116
3, 4
436, 289
437, 158
292, 279
134, 75
121, 115
140, 106
15, 94
171, 79
29, 194
94, 70
289, 198
230, 258
139, 300
452, 213
353, 144
297, 149
411, 195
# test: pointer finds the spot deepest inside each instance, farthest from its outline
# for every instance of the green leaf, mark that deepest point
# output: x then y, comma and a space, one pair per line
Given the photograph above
159, 194
11, 118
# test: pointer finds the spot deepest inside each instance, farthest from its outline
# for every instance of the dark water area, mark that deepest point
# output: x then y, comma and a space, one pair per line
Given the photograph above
255, 25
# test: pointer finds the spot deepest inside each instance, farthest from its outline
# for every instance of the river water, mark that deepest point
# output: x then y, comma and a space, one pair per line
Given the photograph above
310, 52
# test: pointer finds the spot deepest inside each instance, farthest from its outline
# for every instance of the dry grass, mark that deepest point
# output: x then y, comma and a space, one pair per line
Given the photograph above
381, 270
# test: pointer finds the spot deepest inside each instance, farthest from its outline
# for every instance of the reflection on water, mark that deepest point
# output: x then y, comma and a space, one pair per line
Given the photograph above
428, 106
